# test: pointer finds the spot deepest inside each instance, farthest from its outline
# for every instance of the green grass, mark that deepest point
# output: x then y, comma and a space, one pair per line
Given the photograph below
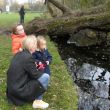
13, 18
61, 94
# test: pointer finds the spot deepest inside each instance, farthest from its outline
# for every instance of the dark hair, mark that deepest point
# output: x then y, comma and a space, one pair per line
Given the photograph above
14, 30
22, 7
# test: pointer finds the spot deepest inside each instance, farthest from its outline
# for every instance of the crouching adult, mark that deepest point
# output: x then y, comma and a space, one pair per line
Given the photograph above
24, 82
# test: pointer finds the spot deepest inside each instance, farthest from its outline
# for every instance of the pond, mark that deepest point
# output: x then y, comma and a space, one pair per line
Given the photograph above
89, 68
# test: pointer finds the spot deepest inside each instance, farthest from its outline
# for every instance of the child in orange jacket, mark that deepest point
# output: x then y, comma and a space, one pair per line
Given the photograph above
18, 36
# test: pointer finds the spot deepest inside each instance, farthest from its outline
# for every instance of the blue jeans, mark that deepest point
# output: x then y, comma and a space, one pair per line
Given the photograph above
44, 80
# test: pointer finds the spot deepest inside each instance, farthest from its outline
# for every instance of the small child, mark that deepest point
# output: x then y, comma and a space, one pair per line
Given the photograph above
18, 36
42, 56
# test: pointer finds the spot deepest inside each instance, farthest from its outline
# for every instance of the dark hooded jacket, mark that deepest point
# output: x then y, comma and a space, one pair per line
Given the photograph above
22, 11
22, 83
43, 56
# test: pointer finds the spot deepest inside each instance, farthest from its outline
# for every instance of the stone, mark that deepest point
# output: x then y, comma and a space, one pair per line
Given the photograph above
87, 37
93, 85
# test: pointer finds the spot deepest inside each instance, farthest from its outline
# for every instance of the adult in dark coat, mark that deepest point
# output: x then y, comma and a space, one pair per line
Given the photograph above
23, 83
22, 14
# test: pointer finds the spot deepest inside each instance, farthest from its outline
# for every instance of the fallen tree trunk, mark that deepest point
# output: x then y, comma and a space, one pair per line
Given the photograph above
70, 24
74, 23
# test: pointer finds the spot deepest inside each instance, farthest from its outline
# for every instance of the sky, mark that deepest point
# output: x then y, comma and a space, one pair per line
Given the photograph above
23, 1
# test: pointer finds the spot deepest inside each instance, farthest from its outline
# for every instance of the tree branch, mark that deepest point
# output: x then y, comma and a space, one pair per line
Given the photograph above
63, 8
51, 10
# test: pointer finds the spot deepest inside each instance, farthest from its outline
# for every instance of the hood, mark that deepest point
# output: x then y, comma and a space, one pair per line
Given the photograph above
16, 35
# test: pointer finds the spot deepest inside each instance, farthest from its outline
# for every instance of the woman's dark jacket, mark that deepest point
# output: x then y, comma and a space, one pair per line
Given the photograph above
22, 11
43, 56
22, 83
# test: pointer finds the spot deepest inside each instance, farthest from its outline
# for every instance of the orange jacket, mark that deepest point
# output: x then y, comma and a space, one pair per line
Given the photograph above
17, 42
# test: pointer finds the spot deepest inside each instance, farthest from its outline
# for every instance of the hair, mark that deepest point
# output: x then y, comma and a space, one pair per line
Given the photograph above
30, 42
40, 39
22, 6
14, 29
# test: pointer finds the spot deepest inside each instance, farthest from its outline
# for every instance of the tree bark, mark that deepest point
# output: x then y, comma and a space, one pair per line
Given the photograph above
62, 7
93, 10
50, 9
73, 23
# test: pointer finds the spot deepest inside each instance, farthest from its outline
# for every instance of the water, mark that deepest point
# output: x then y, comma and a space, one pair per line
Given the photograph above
89, 68
98, 55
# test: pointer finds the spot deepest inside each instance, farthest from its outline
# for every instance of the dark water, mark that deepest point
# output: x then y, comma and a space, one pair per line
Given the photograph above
98, 55
89, 68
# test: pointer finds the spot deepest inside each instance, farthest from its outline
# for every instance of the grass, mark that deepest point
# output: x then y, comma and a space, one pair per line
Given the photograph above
61, 94
11, 18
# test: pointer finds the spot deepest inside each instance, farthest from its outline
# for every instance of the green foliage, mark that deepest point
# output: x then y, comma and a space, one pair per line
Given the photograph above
61, 94
80, 4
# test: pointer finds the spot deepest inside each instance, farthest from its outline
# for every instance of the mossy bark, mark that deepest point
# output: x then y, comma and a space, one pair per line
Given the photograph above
70, 24
74, 22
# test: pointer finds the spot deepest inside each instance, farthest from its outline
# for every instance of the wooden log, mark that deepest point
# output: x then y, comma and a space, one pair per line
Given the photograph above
70, 24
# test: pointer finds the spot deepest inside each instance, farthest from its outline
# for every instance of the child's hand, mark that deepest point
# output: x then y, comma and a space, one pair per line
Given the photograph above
20, 49
40, 63
36, 64
47, 62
